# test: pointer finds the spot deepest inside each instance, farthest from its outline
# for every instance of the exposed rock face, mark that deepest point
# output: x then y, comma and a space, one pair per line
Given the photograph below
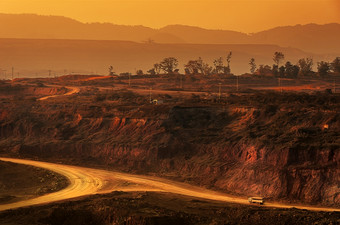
275, 152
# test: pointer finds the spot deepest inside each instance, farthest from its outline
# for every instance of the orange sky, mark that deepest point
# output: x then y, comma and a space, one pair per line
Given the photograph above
240, 15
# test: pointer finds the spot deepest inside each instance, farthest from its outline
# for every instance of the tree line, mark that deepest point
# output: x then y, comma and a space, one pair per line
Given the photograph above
303, 68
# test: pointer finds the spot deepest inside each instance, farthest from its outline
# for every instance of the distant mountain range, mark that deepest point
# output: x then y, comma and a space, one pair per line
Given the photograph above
317, 39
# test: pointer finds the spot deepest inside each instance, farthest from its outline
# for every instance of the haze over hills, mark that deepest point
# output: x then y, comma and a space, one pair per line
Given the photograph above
34, 57
319, 39
35, 44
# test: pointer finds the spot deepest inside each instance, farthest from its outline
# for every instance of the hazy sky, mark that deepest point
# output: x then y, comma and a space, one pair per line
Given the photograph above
240, 15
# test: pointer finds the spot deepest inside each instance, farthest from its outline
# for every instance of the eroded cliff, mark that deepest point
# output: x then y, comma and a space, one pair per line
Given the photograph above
284, 147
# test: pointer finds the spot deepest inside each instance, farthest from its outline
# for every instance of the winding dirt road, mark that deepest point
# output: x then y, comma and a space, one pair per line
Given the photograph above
87, 181
71, 92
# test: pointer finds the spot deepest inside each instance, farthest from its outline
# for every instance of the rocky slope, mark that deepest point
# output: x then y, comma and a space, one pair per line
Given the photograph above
265, 144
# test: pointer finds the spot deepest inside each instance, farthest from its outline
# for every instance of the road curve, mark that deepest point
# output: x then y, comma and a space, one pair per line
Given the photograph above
87, 181
71, 92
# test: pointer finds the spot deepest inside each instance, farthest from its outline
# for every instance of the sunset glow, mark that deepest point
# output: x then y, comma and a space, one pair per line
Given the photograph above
240, 15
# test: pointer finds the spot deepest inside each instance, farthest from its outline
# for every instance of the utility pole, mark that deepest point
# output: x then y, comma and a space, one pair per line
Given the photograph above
181, 81
219, 91
150, 94
49, 73
237, 83
280, 85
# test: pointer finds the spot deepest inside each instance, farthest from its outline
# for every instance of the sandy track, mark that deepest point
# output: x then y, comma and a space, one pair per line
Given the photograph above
87, 181
71, 92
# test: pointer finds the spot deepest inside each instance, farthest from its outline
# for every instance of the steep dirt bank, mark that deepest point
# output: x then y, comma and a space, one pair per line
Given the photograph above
159, 208
17, 91
280, 151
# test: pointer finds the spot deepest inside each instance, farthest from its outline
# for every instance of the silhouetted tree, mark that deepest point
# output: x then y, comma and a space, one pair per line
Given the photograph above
169, 64
111, 71
192, 67
125, 74
151, 71
197, 66
292, 71
206, 69
323, 68
306, 66
227, 69
275, 70
252, 65
335, 65
157, 68
282, 71
139, 72
218, 64
278, 57
264, 70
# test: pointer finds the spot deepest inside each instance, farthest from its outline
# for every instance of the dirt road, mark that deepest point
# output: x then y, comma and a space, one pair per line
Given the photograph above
71, 92
87, 181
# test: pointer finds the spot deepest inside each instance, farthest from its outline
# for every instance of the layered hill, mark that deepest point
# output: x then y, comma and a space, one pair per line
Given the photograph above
312, 37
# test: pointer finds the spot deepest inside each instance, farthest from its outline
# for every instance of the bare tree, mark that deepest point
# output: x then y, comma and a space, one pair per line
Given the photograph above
252, 65
218, 64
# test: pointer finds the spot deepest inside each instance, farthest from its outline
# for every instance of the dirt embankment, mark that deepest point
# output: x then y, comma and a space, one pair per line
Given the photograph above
20, 182
279, 147
159, 208
16, 91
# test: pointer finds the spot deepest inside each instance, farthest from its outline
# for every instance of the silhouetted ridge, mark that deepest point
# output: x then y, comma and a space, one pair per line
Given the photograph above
314, 38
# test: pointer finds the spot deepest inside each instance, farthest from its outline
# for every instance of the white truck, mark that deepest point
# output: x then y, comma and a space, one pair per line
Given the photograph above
259, 200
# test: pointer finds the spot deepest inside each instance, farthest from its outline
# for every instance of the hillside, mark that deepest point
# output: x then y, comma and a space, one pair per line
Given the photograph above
315, 38
261, 143
311, 37
57, 27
